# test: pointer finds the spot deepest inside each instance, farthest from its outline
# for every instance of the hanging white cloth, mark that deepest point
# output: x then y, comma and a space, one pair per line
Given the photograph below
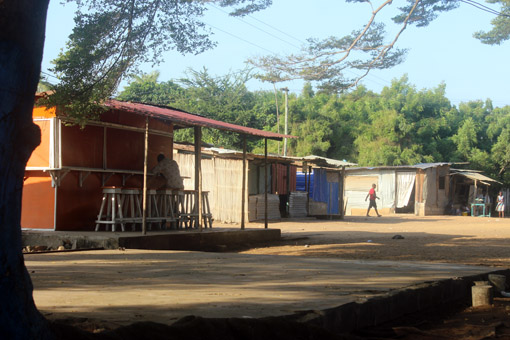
405, 185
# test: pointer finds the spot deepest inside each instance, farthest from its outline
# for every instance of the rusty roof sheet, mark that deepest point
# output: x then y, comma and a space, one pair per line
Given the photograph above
188, 119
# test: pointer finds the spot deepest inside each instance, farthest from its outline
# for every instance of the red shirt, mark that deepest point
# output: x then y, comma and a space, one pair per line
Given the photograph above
371, 192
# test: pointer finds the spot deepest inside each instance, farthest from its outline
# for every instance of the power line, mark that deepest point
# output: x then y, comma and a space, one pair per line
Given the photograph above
49, 75
258, 46
276, 29
237, 37
484, 8
258, 28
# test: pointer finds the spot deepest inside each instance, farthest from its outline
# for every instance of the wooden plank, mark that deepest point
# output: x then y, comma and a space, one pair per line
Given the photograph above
198, 173
266, 182
145, 171
243, 190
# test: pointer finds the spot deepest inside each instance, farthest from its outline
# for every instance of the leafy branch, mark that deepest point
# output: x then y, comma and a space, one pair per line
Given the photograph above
112, 38
326, 61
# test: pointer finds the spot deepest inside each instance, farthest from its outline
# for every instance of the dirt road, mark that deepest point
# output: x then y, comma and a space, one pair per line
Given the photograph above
450, 239
104, 290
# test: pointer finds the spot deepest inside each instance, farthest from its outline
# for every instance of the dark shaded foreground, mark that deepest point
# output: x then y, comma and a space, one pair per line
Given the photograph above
195, 328
457, 321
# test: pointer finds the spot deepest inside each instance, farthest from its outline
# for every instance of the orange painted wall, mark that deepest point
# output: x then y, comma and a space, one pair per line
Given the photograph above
77, 207
41, 155
82, 147
125, 149
43, 112
38, 201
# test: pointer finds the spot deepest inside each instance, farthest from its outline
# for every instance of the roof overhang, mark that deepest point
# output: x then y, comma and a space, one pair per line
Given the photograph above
323, 161
186, 119
475, 176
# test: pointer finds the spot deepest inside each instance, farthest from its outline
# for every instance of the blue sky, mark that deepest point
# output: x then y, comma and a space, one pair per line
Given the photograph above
445, 51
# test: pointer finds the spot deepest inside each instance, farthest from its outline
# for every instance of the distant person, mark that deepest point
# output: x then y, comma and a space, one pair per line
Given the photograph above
373, 196
169, 169
500, 207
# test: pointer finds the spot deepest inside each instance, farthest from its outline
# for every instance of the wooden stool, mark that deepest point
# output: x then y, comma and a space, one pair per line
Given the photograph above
206, 210
166, 203
153, 214
132, 206
186, 208
113, 201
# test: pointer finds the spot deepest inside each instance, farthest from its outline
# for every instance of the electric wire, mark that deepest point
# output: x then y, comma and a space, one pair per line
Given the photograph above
484, 8
272, 52
277, 29
258, 28
237, 37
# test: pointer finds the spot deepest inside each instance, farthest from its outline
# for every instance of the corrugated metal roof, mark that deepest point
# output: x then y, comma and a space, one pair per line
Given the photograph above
405, 167
323, 161
471, 174
431, 165
188, 119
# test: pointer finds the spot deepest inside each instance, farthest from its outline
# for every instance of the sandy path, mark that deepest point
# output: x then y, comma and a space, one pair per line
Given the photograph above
327, 263
452, 239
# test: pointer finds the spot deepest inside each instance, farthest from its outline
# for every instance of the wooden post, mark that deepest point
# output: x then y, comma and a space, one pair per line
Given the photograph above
105, 140
476, 191
265, 183
308, 189
198, 174
277, 116
341, 187
145, 165
286, 119
287, 206
243, 190
305, 168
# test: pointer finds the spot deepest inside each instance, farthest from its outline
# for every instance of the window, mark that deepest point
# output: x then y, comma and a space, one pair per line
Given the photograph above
442, 180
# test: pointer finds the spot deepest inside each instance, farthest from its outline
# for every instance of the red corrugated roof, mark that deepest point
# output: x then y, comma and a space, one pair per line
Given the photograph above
188, 119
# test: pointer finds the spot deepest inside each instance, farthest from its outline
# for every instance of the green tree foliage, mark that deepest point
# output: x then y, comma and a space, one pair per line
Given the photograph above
224, 98
111, 38
146, 89
500, 31
399, 126
326, 61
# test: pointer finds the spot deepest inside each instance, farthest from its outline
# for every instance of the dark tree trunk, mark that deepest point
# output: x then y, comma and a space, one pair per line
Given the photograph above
22, 29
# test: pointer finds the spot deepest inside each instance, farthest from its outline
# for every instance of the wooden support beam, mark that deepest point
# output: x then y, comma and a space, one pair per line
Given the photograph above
266, 182
145, 171
243, 190
83, 177
198, 173
341, 181
308, 189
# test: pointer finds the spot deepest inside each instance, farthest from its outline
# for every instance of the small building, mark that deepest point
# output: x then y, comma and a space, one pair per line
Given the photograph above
66, 174
421, 189
323, 180
222, 173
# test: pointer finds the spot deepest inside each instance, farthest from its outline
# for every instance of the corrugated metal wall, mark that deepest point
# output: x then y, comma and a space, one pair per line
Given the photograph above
284, 174
222, 178
357, 185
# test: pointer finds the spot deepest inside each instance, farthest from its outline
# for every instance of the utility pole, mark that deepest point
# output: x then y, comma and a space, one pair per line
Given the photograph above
286, 90
277, 116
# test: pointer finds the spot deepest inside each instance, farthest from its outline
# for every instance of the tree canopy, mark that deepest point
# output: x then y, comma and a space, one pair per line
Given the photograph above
111, 38
401, 125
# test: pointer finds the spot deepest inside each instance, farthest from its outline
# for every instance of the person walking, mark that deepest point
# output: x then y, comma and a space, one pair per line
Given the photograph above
373, 196
500, 207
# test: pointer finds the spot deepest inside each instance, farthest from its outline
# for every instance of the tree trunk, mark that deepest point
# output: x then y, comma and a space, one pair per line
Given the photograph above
22, 29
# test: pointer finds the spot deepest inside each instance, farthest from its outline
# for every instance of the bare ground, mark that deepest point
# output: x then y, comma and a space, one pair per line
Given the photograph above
438, 239
447, 239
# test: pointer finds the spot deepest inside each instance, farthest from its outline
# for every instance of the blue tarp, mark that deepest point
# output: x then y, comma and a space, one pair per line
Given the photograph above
320, 189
